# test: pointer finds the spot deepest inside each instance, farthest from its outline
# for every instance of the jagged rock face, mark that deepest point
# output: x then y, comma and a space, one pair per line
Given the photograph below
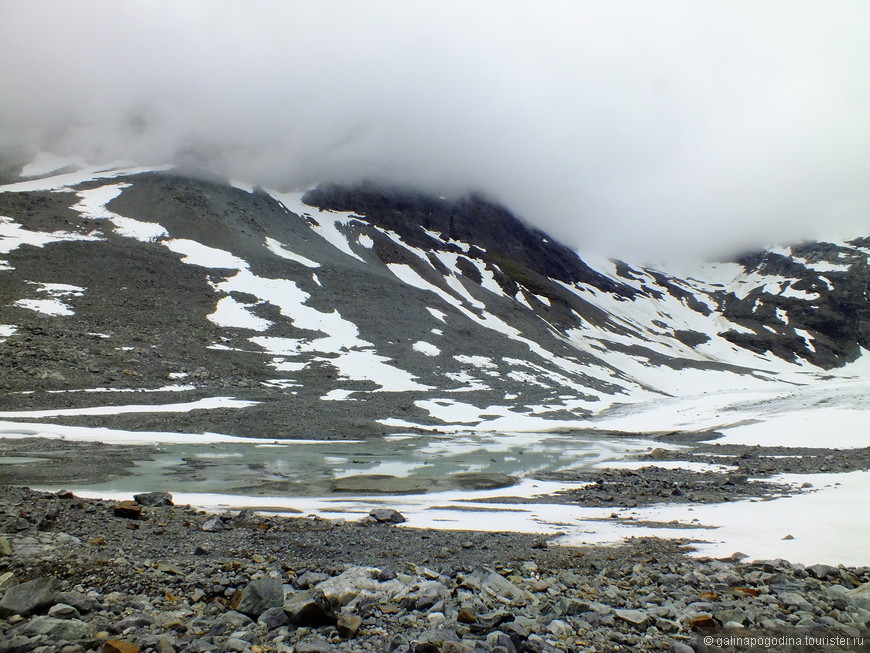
357, 311
521, 250
820, 289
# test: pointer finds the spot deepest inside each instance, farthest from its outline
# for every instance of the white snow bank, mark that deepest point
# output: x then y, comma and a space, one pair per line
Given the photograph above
201, 404
426, 348
231, 313
277, 248
831, 428
65, 181
208, 257
51, 307
92, 204
826, 525
18, 430
13, 236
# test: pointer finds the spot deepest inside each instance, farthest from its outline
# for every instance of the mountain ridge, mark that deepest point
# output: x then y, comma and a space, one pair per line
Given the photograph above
365, 310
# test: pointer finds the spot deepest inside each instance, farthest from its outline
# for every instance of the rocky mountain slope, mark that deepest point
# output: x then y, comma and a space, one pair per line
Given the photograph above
158, 300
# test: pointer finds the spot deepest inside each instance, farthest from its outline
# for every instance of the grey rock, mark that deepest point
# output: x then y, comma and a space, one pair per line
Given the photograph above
310, 578
387, 515
57, 630
436, 636
137, 621
342, 589
233, 620
822, 571
795, 600
517, 631
306, 608
500, 639
235, 644
63, 611
213, 524
635, 618
422, 595
29, 597
571, 607
860, 596
273, 618
494, 589
81, 602
837, 592
315, 645
153, 499
165, 644
258, 596
17, 644
201, 645
537, 644
7, 580
559, 629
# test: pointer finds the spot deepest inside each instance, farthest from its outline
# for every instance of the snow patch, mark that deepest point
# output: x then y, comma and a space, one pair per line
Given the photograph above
14, 235
277, 248
426, 348
235, 314
202, 404
194, 253
92, 204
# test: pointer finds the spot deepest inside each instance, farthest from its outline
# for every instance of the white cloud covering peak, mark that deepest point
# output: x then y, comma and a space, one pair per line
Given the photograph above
642, 129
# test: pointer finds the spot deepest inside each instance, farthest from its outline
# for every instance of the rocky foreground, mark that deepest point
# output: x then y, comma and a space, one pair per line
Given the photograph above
85, 575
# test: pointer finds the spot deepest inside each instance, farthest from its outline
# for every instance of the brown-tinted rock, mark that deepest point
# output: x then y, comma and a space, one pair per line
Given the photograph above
128, 510
119, 646
348, 625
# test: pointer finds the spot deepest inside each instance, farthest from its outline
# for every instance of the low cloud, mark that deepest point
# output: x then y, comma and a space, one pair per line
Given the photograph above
662, 129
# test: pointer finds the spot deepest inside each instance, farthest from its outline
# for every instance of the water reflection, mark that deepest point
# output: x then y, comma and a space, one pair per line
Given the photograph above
400, 464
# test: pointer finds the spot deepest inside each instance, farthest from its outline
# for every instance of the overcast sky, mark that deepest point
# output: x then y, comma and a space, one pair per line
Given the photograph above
640, 129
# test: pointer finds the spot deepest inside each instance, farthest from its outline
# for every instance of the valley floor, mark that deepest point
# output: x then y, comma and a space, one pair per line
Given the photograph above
177, 579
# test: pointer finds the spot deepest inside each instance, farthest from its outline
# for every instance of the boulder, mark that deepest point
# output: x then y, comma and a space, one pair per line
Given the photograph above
154, 499
306, 608
30, 597
387, 515
63, 611
273, 618
860, 596
81, 602
822, 571
342, 589
422, 595
56, 630
213, 524
495, 590
128, 510
308, 579
634, 618
258, 596
348, 625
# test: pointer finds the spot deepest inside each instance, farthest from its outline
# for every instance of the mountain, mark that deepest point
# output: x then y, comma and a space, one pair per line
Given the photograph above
345, 312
